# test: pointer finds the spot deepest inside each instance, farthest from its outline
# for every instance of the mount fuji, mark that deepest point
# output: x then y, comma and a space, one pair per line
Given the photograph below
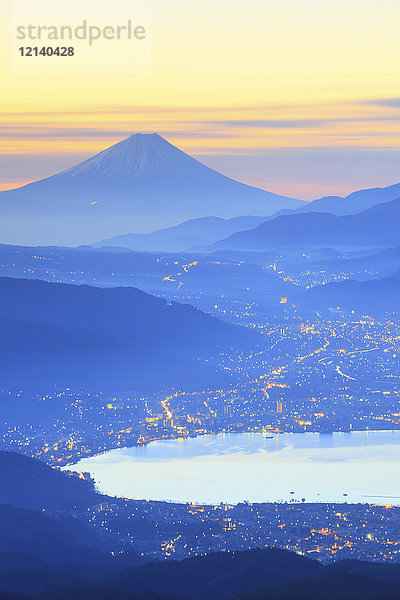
139, 184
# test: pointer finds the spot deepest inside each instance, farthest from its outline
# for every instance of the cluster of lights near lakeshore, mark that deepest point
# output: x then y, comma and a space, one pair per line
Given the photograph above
317, 384
328, 532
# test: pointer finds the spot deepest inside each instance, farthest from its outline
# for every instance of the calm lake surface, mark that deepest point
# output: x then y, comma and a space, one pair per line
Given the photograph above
352, 467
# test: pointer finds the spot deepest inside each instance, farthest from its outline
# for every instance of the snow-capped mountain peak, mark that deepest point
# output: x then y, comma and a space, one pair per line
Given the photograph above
137, 155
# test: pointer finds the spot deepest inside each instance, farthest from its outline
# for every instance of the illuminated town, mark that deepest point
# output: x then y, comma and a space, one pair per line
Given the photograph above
328, 532
321, 373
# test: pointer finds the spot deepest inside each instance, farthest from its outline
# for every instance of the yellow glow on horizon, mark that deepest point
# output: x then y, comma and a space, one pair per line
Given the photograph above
217, 62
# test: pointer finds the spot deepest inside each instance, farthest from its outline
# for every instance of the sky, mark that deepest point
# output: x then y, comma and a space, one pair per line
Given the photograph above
300, 98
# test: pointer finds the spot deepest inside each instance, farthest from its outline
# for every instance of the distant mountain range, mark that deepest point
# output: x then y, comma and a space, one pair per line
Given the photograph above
185, 236
194, 277
375, 227
353, 203
139, 184
195, 234
360, 264
119, 338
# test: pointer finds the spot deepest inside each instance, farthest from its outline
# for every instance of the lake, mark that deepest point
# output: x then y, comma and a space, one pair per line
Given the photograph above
231, 468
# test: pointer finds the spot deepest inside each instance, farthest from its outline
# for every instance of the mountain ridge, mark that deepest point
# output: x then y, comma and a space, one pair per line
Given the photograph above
374, 227
111, 338
353, 203
185, 236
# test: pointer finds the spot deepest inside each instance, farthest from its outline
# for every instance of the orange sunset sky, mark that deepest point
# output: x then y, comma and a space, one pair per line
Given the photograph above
300, 98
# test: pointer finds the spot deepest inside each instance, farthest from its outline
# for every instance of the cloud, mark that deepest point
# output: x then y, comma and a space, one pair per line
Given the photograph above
300, 123
34, 131
392, 102
134, 110
271, 123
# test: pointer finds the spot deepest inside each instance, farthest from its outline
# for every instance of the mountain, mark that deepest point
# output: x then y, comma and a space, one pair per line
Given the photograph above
34, 532
31, 492
30, 484
139, 184
353, 203
220, 575
38, 508
375, 227
259, 574
183, 237
118, 338
214, 576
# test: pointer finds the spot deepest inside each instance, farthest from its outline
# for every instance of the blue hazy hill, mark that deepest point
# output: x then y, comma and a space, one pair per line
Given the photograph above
122, 338
182, 237
355, 202
375, 227
372, 297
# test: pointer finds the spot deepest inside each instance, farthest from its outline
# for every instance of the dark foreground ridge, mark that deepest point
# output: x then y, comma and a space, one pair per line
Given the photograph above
269, 574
